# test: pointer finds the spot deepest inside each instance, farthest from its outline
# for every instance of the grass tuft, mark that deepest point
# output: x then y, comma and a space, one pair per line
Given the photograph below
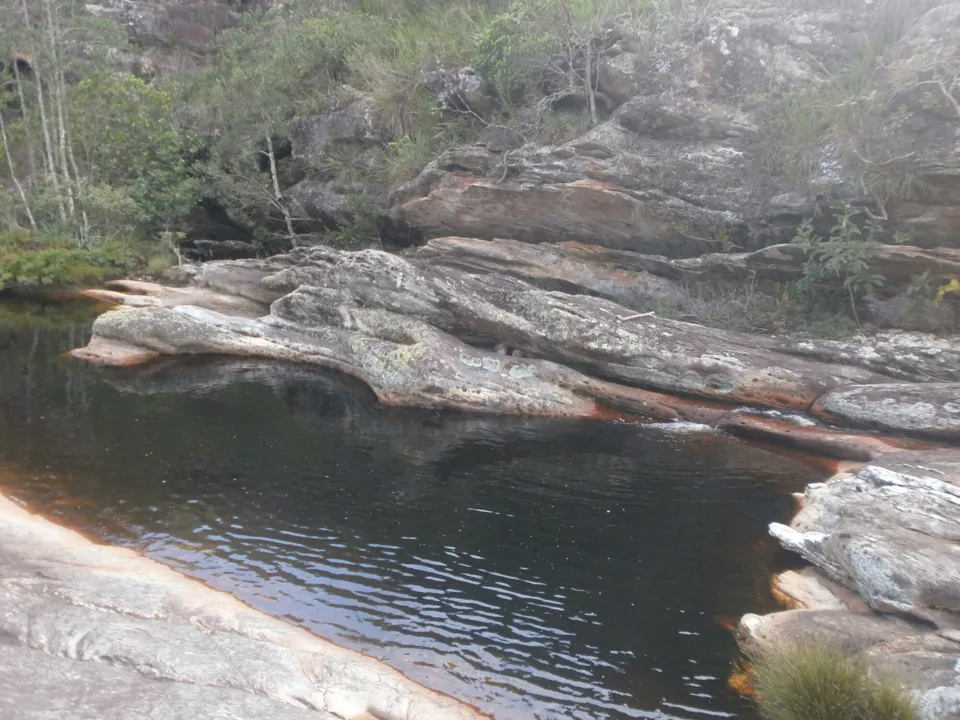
156, 264
814, 682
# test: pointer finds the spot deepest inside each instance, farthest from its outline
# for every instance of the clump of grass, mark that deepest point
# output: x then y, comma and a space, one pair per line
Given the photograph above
156, 264
829, 119
407, 155
560, 126
399, 43
817, 682
782, 310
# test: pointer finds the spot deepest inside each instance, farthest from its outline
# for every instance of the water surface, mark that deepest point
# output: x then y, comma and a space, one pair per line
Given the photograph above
536, 568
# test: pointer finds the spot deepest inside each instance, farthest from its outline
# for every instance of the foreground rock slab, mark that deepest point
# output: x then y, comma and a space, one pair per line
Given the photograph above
884, 543
99, 632
891, 532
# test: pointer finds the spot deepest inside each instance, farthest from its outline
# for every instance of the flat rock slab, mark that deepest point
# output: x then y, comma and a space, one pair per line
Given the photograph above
932, 409
891, 532
92, 631
419, 331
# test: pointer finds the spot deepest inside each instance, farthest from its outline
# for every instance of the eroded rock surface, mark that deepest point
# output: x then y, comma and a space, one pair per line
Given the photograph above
889, 534
891, 531
681, 165
424, 332
99, 632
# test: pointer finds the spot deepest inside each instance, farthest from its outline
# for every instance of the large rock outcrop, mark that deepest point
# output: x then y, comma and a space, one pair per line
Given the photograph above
682, 166
428, 334
889, 534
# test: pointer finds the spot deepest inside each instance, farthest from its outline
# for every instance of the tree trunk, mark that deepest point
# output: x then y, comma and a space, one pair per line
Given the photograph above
51, 164
276, 186
27, 138
13, 173
591, 100
58, 85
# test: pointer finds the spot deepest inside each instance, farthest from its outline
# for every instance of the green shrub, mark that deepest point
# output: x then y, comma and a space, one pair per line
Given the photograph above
132, 155
810, 682
845, 255
156, 264
31, 260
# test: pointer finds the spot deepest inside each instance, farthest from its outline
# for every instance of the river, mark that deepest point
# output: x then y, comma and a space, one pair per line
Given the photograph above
536, 568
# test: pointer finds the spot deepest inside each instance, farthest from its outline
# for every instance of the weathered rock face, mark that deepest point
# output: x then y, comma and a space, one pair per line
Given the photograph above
172, 37
680, 164
896, 408
574, 192
96, 631
642, 281
890, 534
460, 90
415, 331
314, 137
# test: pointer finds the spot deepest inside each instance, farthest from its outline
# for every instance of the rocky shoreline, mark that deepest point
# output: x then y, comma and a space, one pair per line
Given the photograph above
93, 631
885, 578
503, 327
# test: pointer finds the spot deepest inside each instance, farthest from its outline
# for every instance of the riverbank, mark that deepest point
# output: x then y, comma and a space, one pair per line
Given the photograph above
884, 581
100, 631
466, 326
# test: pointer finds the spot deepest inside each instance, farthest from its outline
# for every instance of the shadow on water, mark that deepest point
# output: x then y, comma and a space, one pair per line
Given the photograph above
534, 567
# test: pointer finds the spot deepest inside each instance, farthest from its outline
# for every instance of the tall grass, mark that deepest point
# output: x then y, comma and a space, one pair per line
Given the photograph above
839, 110
816, 682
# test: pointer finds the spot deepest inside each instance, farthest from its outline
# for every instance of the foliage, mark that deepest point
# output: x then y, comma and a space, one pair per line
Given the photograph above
548, 43
812, 682
131, 154
297, 59
514, 46
29, 259
845, 255
747, 309
399, 45
950, 288
409, 154
920, 287
156, 264
139, 155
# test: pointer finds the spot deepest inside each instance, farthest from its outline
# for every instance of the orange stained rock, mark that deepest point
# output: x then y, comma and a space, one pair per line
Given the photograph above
843, 445
740, 679
113, 353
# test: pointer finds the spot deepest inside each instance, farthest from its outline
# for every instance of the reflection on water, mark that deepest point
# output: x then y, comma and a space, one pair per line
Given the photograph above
536, 568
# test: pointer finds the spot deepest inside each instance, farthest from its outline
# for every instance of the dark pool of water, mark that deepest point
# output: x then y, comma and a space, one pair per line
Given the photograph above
536, 568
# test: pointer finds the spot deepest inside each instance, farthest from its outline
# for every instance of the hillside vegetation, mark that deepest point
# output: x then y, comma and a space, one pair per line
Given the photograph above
111, 165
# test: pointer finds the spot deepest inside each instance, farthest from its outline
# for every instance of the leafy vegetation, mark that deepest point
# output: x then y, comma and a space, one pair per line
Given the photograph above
811, 682
845, 256
99, 159
35, 260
